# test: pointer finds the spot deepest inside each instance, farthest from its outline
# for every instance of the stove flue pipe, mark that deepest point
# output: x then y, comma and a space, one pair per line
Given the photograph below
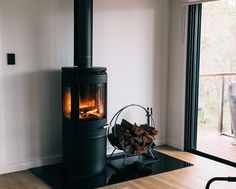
83, 31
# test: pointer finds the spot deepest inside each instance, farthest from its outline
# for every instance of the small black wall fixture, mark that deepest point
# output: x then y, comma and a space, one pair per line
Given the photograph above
11, 59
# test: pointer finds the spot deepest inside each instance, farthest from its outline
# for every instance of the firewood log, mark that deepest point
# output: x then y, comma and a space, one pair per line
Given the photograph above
119, 129
136, 146
149, 140
127, 124
127, 135
121, 138
127, 143
132, 140
151, 137
138, 152
146, 148
87, 109
137, 130
122, 143
150, 130
138, 140
129, 149
144, 142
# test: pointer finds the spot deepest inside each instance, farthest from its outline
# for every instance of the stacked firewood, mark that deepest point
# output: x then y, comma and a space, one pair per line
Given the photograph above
132, 138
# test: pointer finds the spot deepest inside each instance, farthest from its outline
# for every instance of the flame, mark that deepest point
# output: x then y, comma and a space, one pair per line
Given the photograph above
88, 110
89, 103
67, 104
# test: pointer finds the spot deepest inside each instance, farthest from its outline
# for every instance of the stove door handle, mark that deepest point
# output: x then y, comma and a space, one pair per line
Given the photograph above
106, 126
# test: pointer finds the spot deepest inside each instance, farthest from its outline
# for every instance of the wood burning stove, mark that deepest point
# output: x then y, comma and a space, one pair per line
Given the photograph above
84, 102
84, 115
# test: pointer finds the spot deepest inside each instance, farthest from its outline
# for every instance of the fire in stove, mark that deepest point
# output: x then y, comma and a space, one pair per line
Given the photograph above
91, 103
88, 110
67, 104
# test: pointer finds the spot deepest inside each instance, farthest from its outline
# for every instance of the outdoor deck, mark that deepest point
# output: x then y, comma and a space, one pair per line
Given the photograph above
217, 145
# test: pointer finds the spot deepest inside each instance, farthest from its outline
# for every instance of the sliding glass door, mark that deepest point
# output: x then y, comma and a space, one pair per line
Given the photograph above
211, 80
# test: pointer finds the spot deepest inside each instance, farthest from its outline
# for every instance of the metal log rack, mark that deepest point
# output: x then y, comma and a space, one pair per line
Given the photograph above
150, 122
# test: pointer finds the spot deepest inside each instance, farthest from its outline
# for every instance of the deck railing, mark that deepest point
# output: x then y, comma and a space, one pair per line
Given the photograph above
221, 112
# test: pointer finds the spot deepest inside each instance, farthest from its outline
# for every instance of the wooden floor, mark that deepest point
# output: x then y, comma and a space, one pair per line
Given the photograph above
217, 145
21, 180
194, 177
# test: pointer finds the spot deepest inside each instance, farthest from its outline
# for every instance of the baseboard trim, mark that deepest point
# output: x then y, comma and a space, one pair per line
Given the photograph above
174, 144
160, 142
20, 166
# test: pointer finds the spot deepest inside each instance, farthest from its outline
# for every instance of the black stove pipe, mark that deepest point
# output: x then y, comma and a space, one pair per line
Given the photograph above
83, 31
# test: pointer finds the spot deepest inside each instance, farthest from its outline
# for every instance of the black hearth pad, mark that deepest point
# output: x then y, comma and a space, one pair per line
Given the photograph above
115, 172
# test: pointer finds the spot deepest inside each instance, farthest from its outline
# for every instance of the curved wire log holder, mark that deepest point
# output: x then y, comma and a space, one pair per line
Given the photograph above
150, 122
229, 179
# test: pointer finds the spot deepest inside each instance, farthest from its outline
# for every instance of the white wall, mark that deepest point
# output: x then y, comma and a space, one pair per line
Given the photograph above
176, 75
40, 33
1, 102
130, 39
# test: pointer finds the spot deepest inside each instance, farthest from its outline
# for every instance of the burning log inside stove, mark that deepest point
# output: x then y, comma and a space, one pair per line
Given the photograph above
132, 138
89, 110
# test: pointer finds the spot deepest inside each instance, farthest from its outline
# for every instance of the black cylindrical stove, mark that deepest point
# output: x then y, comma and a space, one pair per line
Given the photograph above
84, 94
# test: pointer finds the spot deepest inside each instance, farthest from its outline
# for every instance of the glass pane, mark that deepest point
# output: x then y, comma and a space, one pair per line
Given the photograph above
67, 103
92, 101
217, 71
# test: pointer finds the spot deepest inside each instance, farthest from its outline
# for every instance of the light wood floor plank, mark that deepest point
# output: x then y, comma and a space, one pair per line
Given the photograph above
21, 180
